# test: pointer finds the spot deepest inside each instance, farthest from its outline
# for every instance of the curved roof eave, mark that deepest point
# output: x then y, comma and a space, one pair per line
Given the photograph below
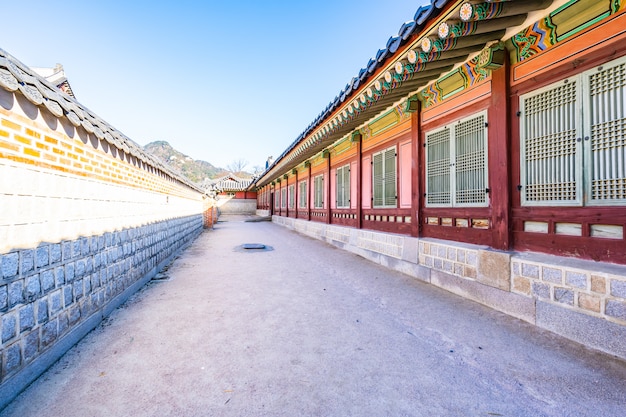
507, 15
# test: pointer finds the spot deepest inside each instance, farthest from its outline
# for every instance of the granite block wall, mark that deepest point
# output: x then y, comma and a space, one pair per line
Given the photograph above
49, 291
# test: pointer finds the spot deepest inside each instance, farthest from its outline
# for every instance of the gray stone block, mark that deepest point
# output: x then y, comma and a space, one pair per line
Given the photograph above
591, 331
56, 303
87, 284
49, 333
618, 288
84, 246
69, 272
564, 296
9, 327
66, 249
9, 264
27, 318
80, 268
27, 261
32, 288
89, 265
42, 310
68, 295
16, 293
11, 359
75, 248
553, 275
576, 279
64, 323
31, 346
78, 289
55, 253
616, 309
540, 290
4, 298
43, 256
97, 260
74, 314
59, 276
47, 280
530, 271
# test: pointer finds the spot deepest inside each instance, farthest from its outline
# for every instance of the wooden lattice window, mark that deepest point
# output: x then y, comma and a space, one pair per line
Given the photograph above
343, 187
292, 196
302, 195
283, 197
606, 129
384, 189
456, 164
318, 189
573, 140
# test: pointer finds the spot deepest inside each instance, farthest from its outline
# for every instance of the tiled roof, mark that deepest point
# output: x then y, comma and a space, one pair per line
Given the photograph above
56, 76
442, 35
14, 76
229, 183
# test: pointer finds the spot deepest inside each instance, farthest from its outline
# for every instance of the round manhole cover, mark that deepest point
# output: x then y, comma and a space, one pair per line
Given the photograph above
253, 246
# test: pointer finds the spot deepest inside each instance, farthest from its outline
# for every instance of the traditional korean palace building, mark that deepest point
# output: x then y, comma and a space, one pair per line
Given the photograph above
481, 150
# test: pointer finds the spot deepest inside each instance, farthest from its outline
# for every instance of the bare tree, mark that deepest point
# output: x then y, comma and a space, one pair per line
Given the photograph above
237, 166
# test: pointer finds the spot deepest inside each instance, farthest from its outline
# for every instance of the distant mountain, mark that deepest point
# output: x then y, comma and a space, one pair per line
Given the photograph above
196, 171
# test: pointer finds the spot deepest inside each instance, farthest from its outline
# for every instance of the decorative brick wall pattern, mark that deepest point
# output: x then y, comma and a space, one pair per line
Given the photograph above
338, 234
592, 292
452, 259
47, 291
58, 181
384, 243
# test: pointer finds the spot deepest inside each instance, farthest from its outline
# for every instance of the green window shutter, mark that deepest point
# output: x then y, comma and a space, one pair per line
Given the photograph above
550, 152
319, 192
606, 131
377, 179
438, 168
390, 196
470, 162
303, 194
346, 186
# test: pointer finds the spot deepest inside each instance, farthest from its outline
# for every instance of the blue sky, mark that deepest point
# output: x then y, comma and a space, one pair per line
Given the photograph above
220, 80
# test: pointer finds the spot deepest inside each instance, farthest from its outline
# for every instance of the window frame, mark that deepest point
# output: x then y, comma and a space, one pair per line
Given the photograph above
452, 158
385, 185
302, 196
587, 162
318, 188
291, 196
342, 187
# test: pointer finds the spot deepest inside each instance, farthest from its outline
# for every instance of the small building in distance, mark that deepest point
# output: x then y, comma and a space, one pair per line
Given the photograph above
232, 195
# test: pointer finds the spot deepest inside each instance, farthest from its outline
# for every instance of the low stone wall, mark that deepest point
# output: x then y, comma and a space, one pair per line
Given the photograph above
581, 300
236, 206
52, 295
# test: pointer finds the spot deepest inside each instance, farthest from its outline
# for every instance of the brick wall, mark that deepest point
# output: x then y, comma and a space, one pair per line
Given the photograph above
86, 219
49, 291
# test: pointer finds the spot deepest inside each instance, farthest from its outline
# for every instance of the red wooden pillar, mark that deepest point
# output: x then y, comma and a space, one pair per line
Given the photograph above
416, 193
309, 189
499, 144
356, 137
328, 196
286, 177
296, 190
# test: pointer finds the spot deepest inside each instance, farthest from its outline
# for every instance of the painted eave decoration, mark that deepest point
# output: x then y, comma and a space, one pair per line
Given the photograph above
442, 37
14, 76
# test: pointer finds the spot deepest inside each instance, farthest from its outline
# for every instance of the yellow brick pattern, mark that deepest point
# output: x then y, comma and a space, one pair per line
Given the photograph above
24, 141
